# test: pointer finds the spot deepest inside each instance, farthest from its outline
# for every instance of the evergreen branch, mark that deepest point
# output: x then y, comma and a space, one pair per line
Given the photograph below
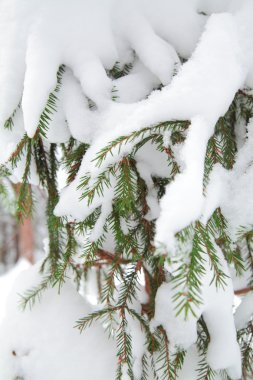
25, 200
109, 282
51, 106
138, 135
129, 287
9, 123
29, 298
124, 345
144, 324
48, 176
243, 291
126, 188
65, 261
187, 280
245, 338
87, 321
178, 361
217, 227
204, 241
19, 151
166, 369
73, 161
145, 368
205, 372
117, 71
103, 180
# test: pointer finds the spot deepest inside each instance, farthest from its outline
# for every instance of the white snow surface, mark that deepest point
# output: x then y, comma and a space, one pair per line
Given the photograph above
89, 37
244, 312
6, 284
210, 83
35, 339
51, 33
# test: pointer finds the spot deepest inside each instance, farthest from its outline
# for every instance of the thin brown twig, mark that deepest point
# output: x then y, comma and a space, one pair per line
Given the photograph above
243, 291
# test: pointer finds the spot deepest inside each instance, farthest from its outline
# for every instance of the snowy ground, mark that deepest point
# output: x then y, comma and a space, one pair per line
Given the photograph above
6, 282
32, 340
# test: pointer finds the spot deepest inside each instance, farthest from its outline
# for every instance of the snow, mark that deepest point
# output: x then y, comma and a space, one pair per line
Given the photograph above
217, 305
81, 210
58, 129
49, 30
90, 37
14, 25
191, 362
200, 79
22, 333
244, 312
231, 190
138, 341
177, 22
138, 32
183, 200
76, 108
52, 32
214, 6
6, 283
27, 336
8, 142
135, 86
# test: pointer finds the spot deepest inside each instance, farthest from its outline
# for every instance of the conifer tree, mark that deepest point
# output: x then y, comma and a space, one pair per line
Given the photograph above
156, 206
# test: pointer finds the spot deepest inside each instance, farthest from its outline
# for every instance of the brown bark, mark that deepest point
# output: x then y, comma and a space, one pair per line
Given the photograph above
244, 291
26, 240
25, 236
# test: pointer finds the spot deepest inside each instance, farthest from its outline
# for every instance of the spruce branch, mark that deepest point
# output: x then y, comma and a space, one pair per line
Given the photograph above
154, 131
204, 241
51, 106
188, 280
87, 321
124, 345
65, 260
31, 296
19, 151
25, 199
165, 369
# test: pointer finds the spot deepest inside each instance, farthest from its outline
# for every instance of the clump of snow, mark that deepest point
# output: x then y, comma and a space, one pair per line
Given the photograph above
217, 310
37, 342
199, 80
231, 190
183, 201
214, 6
89, 37
6, 284
244, 312
135, 86
42, 36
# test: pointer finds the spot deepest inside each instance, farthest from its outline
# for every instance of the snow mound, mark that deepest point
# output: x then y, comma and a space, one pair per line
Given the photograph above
38, 342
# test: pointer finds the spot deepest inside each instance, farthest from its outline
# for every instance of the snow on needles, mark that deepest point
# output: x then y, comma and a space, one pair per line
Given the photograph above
183, 63
204, 88
56, 32
223, 350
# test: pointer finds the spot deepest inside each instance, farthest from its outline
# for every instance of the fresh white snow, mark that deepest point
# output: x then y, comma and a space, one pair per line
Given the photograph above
37, 342
189, 58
